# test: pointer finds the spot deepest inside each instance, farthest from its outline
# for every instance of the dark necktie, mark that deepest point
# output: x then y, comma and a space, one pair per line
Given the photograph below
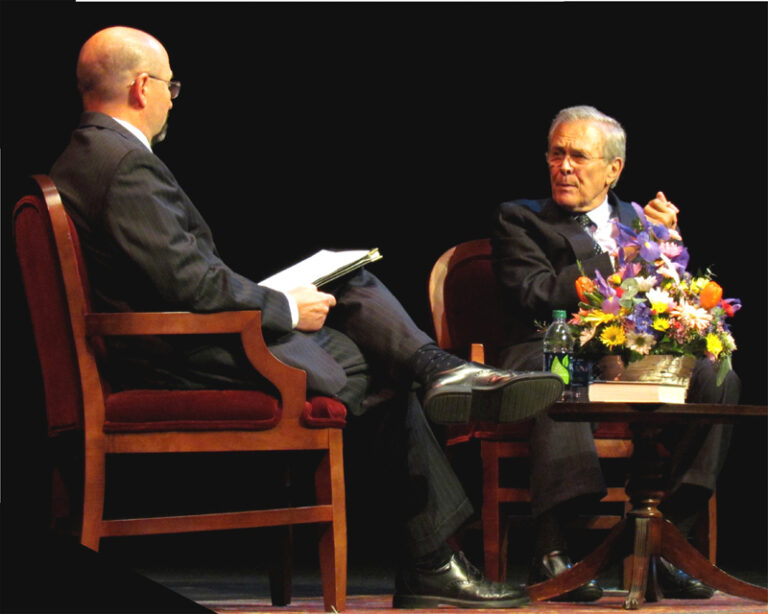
589, 226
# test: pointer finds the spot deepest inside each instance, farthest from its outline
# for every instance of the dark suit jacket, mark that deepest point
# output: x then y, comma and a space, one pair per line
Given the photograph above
148, 248
536, 247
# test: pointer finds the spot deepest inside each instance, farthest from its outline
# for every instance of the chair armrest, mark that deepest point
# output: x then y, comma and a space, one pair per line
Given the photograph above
168, 323
290, 382
477, 353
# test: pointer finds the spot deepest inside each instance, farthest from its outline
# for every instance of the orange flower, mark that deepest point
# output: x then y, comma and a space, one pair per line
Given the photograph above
584, 285
710, 295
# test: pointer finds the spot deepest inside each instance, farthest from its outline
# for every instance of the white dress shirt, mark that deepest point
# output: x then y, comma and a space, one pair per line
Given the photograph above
605, 231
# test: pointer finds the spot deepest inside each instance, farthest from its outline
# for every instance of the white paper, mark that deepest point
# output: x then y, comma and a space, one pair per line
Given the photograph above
316, 266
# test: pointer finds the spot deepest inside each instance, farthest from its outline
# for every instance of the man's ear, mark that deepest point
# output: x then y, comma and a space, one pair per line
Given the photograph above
614, 170
137, 91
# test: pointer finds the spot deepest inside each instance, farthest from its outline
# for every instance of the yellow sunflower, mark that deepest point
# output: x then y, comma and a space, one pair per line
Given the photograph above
613, 335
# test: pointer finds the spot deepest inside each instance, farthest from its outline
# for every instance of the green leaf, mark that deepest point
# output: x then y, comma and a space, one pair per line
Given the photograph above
724, 365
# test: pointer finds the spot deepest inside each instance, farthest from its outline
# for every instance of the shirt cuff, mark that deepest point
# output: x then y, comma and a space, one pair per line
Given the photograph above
294, 309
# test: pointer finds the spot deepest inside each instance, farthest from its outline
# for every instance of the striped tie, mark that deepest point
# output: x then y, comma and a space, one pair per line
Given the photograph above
589, 226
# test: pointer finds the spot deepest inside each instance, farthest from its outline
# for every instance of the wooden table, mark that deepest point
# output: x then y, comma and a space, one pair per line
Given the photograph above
644, 534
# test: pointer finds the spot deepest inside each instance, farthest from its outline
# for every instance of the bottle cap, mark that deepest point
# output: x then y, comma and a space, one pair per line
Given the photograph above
558, 314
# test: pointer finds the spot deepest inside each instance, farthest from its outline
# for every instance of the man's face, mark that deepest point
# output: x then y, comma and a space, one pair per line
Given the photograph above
161, 102
579, 175
162, 106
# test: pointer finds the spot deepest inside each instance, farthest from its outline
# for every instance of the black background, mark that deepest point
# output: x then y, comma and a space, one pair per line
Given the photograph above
402, 126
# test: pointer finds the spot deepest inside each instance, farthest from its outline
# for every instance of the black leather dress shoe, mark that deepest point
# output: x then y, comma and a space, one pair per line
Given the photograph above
458, 583
476, 393
676, 584
556, 563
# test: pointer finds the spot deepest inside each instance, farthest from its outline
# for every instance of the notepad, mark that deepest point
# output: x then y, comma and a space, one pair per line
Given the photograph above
321, 268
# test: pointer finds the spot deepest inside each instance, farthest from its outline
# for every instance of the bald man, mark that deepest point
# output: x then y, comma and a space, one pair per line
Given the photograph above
148, 248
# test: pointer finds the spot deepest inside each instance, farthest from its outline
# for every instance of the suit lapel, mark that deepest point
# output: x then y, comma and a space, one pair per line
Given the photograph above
580, 241
626, 211
564, 224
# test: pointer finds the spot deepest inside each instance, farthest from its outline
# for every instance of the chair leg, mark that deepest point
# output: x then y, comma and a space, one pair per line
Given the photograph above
329, 489
280, 576
93, 498
60, 503
494, 535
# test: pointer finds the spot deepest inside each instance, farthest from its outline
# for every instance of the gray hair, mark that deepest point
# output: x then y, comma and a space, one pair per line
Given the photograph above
615, 142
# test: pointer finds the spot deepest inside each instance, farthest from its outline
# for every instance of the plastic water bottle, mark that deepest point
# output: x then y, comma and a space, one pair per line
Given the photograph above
558, 350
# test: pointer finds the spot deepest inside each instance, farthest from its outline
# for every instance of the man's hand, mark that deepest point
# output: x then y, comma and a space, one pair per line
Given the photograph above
313, 307
662, 211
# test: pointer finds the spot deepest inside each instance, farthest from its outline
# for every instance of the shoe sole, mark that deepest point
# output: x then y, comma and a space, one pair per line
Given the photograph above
520, 399
415, 602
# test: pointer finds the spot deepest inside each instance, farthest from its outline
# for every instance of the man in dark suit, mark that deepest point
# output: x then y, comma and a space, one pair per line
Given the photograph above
148, 248
536, 247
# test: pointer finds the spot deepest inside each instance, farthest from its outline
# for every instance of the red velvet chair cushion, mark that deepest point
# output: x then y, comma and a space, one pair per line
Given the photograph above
323, 412
205, 410
190, 410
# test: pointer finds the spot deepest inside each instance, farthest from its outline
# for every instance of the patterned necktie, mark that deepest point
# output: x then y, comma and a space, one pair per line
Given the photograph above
589, 226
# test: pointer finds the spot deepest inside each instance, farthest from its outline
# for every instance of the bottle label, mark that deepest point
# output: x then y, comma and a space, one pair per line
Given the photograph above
560, 364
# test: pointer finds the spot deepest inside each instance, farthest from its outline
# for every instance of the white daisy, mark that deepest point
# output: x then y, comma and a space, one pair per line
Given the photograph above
692, 316
645, 283
640, 342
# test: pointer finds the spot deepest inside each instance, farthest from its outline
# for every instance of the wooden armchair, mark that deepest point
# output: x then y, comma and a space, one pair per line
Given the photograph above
467, 316
69, 340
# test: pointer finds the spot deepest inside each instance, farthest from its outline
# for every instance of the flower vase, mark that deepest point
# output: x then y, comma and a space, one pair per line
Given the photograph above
660, 368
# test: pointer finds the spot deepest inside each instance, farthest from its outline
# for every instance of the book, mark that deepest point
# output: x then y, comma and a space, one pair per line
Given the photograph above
321, 268
640, 392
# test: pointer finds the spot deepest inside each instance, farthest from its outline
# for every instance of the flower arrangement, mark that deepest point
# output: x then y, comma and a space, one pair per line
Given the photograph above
651, 304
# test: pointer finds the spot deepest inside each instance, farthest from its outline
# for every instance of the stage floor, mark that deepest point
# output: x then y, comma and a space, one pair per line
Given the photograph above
246, 591
227, 574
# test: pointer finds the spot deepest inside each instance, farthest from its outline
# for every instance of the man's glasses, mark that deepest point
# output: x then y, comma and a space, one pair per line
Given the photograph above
577, 158
173, 86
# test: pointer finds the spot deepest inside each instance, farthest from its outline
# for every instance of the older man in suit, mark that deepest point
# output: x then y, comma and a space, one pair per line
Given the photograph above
147, 247
537, 245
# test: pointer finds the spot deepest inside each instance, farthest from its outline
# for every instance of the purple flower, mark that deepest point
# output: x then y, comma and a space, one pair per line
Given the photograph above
661, 232
626, 236
681, 260
603, 286
611, 304
630, 270
641, 318
640, 213
649, 249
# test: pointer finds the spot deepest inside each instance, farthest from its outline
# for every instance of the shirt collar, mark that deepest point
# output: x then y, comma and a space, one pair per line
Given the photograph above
601, 214
134, 131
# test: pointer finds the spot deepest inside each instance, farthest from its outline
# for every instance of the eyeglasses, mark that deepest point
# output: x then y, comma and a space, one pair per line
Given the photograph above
173, 86
577, 158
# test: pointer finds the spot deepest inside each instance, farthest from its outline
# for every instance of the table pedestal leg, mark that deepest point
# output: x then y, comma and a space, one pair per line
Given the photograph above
645, 535
676, 549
